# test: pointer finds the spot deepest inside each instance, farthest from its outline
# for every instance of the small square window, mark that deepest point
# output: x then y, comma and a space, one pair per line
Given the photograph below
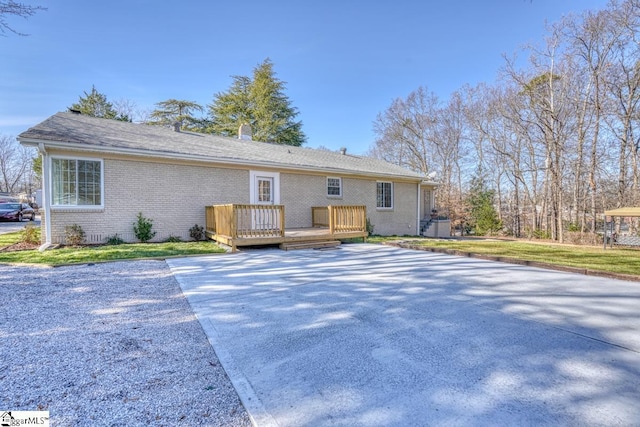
334, 187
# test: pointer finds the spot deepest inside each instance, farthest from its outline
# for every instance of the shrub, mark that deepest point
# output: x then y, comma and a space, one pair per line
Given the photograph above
74, 235
173, 239
197, 233
142, 228
114, 240
369, 226
31, 234
578, 238
541, 234
573, 227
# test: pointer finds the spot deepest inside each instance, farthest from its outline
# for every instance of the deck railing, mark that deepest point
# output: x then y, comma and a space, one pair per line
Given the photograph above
238, 221
244, 221
340, 219
319, 216
347, 218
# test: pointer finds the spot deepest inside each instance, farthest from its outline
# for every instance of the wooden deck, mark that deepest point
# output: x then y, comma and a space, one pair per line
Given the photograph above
254, 225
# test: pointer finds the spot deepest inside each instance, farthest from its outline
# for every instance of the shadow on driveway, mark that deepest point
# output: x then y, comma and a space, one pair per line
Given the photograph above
369, 335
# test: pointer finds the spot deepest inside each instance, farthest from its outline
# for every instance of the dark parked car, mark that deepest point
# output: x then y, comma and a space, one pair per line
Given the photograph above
14, 211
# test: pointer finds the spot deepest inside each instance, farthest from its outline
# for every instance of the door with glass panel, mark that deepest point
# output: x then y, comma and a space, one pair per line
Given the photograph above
265, 218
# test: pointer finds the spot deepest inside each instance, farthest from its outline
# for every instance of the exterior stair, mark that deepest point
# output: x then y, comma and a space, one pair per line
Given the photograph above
424, 226
323, 244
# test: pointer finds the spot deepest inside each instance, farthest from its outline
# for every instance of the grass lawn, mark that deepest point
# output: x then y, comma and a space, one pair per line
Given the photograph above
88, 254
617, 260
620, 261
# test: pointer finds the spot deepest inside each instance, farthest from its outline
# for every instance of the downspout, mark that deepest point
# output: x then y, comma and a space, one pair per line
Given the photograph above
46, 191
418, 210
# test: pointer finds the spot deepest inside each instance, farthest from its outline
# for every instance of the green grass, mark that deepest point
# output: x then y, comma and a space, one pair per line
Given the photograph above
617, 260
102, 253
622, 261
9, 239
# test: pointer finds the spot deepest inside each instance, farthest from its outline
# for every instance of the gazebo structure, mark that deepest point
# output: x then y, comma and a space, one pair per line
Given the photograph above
621, 212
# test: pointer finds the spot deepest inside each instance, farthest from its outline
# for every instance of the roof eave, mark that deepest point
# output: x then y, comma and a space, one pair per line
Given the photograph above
34, 142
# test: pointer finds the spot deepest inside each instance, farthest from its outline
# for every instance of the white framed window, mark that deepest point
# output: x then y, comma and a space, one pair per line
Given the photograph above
334, 186
384, 195
77, 182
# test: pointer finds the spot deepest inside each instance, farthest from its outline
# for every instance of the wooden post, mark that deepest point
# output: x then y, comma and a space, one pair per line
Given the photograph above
234, 222
282, 221
332, 220
612, 228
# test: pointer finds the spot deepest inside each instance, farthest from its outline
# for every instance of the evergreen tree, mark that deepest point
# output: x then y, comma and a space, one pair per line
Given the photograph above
172, 111
36, 166
231, 109
261, 102
483, 215
95, 104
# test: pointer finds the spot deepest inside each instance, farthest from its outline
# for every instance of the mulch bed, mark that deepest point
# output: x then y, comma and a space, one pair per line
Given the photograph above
20, 246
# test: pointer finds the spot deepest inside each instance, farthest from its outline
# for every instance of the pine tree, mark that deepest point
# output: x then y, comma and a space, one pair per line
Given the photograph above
95, 104
483, 215
172, 111
231, 109
261, 102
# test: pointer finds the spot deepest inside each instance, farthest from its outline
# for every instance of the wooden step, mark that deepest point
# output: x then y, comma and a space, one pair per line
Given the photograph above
290, 246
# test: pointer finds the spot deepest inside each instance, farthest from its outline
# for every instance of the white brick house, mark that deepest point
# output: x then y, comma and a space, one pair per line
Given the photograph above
100, 173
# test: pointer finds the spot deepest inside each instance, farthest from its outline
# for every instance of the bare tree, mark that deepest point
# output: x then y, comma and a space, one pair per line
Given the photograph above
15, 165
406, 132
127, 108
557, 138
12, 8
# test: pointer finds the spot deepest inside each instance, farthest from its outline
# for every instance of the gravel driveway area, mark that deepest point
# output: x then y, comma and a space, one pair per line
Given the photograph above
109, 344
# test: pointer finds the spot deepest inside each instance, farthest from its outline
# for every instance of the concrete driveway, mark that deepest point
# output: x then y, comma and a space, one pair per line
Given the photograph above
369, 335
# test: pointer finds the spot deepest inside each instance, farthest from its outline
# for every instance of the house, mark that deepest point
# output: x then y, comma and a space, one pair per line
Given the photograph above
101, 173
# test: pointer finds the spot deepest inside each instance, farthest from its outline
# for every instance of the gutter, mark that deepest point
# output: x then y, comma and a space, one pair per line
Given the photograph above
45, 197
224, 161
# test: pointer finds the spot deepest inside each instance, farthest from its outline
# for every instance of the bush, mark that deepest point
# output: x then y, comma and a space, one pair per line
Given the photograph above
541, 234
578, 238
573, 227
173, 239
74, 235
369, 226
197, 233
114, 240
142, 228
31, 234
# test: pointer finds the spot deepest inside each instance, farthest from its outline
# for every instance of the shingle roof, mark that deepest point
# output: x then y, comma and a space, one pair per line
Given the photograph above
103, 135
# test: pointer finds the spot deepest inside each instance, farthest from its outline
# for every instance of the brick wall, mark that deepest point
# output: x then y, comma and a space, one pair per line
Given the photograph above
300, 192
174, 197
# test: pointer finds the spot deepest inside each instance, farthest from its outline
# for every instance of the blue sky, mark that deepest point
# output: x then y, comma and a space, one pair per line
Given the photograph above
343, 61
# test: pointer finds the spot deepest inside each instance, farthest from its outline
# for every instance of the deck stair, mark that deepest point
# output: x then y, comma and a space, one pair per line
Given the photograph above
318, 244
